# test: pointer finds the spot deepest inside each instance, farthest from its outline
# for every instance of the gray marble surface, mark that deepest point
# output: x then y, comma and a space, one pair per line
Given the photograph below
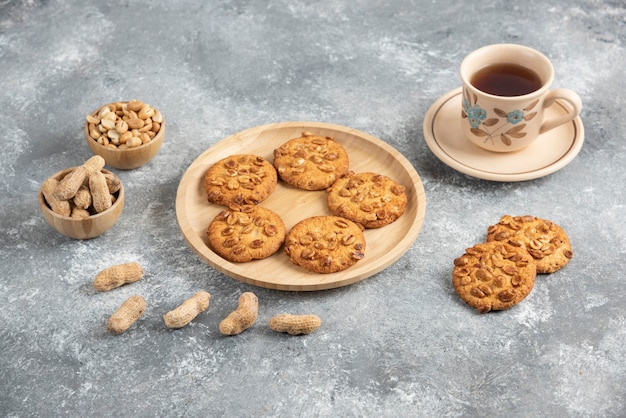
399, 343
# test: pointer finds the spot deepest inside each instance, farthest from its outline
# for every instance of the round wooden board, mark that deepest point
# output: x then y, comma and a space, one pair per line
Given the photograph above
384, 245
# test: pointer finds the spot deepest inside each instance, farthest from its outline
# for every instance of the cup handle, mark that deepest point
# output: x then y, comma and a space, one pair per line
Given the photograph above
573, 109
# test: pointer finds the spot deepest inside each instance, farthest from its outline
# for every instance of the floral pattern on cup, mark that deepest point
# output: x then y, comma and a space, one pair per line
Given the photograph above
502, 125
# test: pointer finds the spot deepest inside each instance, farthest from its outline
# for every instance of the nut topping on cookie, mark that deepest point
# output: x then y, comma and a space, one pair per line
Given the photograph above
493, 276
325, 244
311, 162
545, 241
246, 232
240, 179
370, 199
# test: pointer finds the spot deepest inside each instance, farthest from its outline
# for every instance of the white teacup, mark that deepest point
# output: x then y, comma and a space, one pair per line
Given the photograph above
505, 92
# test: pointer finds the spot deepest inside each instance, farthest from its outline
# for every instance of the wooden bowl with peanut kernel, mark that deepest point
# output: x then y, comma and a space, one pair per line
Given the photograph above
86, 226
126, 134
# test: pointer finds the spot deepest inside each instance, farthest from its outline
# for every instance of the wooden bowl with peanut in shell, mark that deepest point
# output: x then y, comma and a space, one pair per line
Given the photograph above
126, 134
82, 228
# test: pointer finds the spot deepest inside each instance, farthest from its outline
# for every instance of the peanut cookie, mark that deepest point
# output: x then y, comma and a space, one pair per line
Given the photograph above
325, 244
311, 162
546, 242
244, 233
493, 276
240, 179
371, 199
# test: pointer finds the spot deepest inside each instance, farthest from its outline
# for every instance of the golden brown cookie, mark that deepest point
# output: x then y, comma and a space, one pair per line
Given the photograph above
493, 276
311, 162
244, 233
325, 244
546, 242
371, 199
240, 179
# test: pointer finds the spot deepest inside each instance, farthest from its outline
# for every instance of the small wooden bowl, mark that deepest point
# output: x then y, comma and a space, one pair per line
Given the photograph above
126, 158
85, 228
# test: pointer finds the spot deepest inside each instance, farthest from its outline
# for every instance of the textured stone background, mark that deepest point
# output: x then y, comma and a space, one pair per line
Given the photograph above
397, 344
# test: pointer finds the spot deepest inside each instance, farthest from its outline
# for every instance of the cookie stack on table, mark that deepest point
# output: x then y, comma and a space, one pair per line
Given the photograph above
501, 272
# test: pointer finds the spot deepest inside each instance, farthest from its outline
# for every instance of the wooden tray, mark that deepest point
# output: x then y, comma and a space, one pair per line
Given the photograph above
384, 245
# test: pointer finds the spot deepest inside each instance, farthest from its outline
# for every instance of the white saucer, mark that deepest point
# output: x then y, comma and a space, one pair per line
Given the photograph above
550, 152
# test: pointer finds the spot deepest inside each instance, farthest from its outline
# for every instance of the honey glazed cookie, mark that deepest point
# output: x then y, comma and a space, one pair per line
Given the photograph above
493, 276
547, 242
325, 244
240, 179
245, 233
371, 199
311, 162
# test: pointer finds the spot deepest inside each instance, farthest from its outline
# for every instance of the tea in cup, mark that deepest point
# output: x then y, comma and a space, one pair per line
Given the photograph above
506, 90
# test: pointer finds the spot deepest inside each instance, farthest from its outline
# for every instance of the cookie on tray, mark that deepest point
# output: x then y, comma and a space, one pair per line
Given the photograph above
546, 241
311, 162
493, 276
325, 244
240, 179
371, 199
247, 232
